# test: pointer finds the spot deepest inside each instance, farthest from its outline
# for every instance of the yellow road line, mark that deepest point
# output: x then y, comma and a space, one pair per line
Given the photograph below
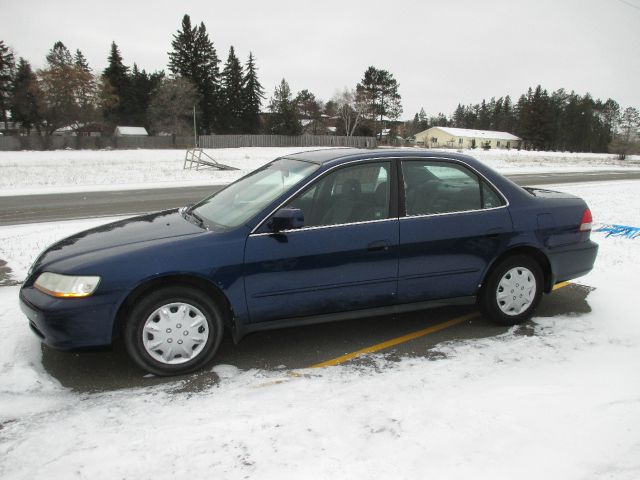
560, 285
406, 338
396, 341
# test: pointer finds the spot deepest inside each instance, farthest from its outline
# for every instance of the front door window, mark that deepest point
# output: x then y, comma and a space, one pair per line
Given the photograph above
348, 195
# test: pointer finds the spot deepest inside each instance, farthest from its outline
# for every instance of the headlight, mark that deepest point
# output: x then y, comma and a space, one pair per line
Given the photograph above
58, 285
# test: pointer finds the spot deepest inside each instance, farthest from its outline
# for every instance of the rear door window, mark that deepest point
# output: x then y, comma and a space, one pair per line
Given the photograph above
439, 187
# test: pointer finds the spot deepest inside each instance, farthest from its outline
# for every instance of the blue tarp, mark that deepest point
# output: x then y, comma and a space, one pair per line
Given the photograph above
619, 231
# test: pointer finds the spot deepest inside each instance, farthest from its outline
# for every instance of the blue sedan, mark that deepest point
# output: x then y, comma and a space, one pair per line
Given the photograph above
311, 237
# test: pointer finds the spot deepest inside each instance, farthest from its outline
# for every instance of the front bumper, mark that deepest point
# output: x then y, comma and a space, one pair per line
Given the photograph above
68, 323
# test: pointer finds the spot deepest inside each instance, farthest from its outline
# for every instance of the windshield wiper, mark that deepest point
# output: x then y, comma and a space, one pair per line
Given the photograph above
188, 214
197, 218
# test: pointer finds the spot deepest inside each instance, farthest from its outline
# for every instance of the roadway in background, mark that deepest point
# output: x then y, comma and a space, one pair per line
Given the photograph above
67, 206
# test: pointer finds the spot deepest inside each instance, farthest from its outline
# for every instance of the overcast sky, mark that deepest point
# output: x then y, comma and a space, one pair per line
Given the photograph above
440, 52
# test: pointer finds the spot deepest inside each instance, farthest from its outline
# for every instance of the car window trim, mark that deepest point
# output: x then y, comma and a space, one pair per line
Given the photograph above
393, 204
319, 227
399, 189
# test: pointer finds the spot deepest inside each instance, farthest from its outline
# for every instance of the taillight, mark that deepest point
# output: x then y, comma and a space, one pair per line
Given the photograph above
585, 223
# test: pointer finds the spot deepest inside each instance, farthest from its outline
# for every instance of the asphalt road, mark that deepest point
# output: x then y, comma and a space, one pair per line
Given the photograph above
52, 207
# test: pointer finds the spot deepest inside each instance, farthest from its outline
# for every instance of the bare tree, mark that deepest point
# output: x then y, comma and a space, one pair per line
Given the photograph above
627, 141
171, 108
352, 107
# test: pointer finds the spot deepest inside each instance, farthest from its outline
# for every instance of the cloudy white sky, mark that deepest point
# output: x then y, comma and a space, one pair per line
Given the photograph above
441, 52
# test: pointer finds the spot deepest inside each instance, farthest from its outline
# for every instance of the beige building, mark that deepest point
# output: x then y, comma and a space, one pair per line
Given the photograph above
449, 137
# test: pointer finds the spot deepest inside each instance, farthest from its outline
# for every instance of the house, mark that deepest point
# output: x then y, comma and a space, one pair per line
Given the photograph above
130, 132
449, 137
81, 130
316, 127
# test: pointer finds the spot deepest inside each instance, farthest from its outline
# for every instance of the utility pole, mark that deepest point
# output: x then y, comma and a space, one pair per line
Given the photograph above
195, 130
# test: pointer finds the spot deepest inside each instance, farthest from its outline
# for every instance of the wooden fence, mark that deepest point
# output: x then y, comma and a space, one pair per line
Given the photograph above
234, 141
12, 142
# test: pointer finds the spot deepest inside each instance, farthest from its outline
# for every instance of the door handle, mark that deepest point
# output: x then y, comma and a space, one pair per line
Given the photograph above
378, 246
494, 232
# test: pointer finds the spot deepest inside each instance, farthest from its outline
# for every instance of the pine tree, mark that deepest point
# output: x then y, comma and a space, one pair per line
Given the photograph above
232, 83
116, 75
309, 108
424, 120
381, 90
86, 92
59, 105
59, 56
63, 85
459, 119
194, 57
484, 117
7, 66
26, 97
142, 87
415, 126
508, 115
284, 118
496, 112
252, 96
81, 62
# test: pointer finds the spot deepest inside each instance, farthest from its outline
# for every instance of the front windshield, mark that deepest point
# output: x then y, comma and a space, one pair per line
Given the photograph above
239, 202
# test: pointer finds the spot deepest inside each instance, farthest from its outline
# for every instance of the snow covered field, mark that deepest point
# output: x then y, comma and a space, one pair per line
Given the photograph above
58, 171
560, 402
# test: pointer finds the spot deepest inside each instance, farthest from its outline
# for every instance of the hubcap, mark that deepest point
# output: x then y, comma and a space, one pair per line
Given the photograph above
516, 291
175, 333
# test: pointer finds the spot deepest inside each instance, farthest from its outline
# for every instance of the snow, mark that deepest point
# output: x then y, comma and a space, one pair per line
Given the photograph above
65, 171
556, 398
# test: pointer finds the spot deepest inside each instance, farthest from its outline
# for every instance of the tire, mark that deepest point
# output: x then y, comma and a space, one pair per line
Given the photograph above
512, 290
173, 331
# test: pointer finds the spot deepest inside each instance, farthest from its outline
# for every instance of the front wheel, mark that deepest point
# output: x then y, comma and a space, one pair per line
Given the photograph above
172, 331
512, 290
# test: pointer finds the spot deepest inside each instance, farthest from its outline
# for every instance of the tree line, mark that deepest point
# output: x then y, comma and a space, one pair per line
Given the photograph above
560, 121
67, 93
226, 98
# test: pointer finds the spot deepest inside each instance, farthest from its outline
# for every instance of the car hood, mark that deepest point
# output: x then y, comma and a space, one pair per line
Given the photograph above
145, 228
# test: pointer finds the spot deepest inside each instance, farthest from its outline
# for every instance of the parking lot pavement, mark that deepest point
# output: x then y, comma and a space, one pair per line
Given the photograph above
302, 347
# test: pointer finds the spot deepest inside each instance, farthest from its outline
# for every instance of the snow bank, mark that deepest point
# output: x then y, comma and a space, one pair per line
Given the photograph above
556, 398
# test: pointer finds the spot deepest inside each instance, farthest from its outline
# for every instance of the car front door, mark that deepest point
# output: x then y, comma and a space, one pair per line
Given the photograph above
453, 223
344, 258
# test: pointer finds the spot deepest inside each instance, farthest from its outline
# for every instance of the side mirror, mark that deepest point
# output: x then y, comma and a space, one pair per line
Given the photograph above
286, 219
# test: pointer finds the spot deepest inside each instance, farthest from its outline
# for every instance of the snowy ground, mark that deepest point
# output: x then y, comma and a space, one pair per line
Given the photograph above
28, 172
561, 403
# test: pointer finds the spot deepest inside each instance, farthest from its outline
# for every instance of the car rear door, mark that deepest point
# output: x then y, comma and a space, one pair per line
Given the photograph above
344, 258
452, 224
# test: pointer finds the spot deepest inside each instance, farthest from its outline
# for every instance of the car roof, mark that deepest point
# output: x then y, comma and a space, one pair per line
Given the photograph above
327, 155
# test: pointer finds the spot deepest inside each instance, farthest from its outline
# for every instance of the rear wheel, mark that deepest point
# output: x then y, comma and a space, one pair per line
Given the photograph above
512, 290
173, 330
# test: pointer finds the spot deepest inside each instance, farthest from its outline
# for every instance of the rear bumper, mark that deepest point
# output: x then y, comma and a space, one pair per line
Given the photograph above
572, 261
65, 323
